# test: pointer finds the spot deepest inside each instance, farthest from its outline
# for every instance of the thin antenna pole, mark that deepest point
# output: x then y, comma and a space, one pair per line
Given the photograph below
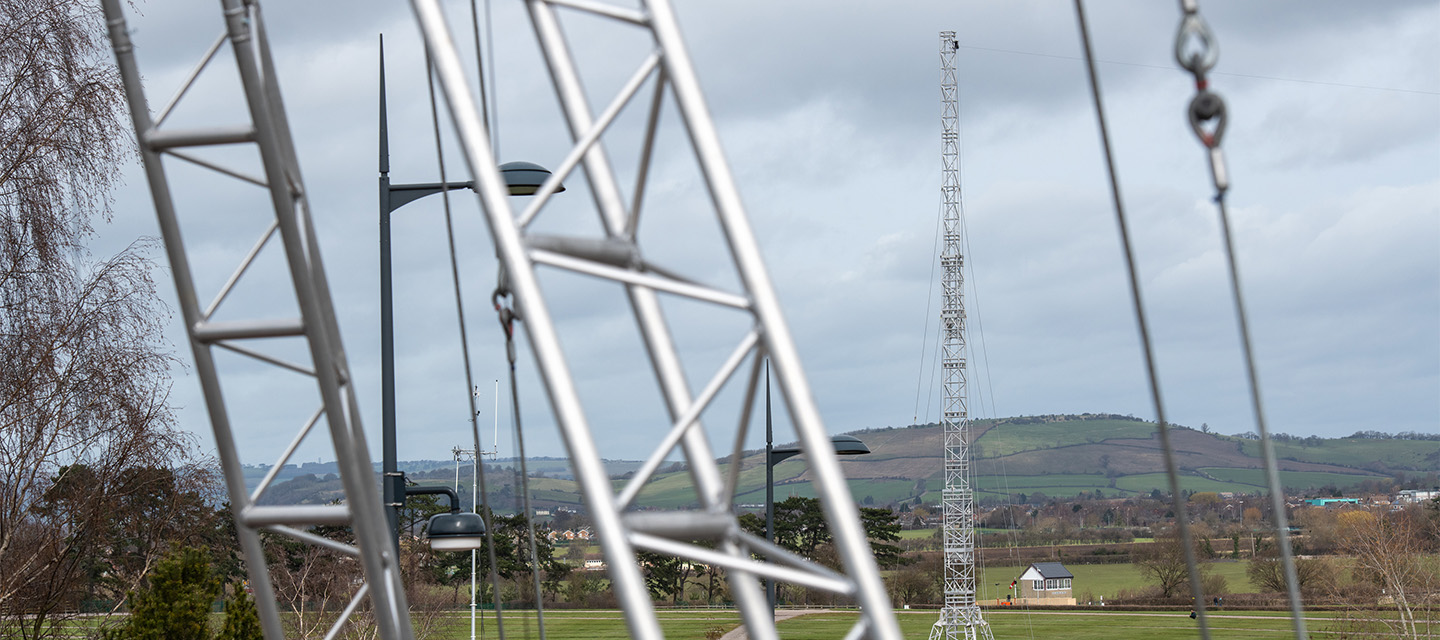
474, 506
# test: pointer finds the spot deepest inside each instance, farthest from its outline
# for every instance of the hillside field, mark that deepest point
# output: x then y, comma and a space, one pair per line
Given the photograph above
1058, 456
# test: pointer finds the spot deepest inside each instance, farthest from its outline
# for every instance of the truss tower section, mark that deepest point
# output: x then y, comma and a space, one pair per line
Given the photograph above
960, 617
639, 270
305, 345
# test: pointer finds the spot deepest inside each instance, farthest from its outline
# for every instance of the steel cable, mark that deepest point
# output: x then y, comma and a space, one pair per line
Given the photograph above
1197, 52
465, 352
525, 487
1161, 427
925, 333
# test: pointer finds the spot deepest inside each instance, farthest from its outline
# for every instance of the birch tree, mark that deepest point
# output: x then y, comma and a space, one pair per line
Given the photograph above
83, 371
1396, 554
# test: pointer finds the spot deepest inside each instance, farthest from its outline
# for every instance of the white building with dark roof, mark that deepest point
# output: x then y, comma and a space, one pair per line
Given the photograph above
1045, 583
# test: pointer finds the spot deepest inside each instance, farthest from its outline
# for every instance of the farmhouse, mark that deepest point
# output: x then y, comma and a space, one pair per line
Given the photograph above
1045, 583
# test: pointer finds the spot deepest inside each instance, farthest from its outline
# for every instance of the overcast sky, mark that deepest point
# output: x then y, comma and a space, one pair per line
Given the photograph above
829, 113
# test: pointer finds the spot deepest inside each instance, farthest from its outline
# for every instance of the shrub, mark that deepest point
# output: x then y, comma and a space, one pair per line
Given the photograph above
176, 604
242, 620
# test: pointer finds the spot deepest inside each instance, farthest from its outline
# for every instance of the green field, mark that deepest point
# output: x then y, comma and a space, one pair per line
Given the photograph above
1021, 483
1144, 482
1290, 479
879, 491
1400, 454
1059, 485
1007, 439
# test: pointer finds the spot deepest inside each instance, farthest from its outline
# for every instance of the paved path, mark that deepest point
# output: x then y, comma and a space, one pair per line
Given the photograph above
738, 633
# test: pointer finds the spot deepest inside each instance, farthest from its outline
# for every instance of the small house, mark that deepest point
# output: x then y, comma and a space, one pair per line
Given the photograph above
1045, 583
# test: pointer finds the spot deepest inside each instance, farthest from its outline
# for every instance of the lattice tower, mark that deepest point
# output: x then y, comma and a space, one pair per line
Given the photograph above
960, 617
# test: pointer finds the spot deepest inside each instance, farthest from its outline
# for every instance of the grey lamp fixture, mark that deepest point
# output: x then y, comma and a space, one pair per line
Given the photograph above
525, 178
849, 446
844, 446
454, 531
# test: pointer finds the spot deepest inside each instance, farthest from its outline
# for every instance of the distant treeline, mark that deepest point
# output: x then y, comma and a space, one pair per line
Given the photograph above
1066, 417
1315, 441
1043, 419
1403, 435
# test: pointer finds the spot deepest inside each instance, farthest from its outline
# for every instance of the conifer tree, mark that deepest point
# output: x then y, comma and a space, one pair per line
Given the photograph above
176, 604
242, 620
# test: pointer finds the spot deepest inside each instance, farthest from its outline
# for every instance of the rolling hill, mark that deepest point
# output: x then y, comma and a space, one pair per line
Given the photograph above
1059, 456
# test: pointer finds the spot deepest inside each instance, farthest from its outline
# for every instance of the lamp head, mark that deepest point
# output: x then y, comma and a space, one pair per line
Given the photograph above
456, 531
844, 446
849, 446
525, 178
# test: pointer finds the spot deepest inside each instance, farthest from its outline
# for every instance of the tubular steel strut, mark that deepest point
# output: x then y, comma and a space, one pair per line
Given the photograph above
268, 132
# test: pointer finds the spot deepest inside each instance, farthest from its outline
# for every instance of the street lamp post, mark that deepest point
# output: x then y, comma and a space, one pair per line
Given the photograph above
522, 178
844, 446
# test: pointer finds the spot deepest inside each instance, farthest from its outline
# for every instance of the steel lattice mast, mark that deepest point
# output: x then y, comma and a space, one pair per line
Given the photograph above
960, 617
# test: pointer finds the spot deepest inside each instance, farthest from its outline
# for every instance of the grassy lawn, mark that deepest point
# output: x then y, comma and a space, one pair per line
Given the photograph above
914, 624
587, 625
1072, 625
1085, 625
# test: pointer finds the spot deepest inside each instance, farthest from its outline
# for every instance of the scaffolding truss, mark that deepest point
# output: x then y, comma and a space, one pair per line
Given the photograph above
710, 534
247, 332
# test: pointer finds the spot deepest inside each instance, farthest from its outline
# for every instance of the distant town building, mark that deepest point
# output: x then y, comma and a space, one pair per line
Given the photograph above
1326, 502
1416, 496
569, 535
